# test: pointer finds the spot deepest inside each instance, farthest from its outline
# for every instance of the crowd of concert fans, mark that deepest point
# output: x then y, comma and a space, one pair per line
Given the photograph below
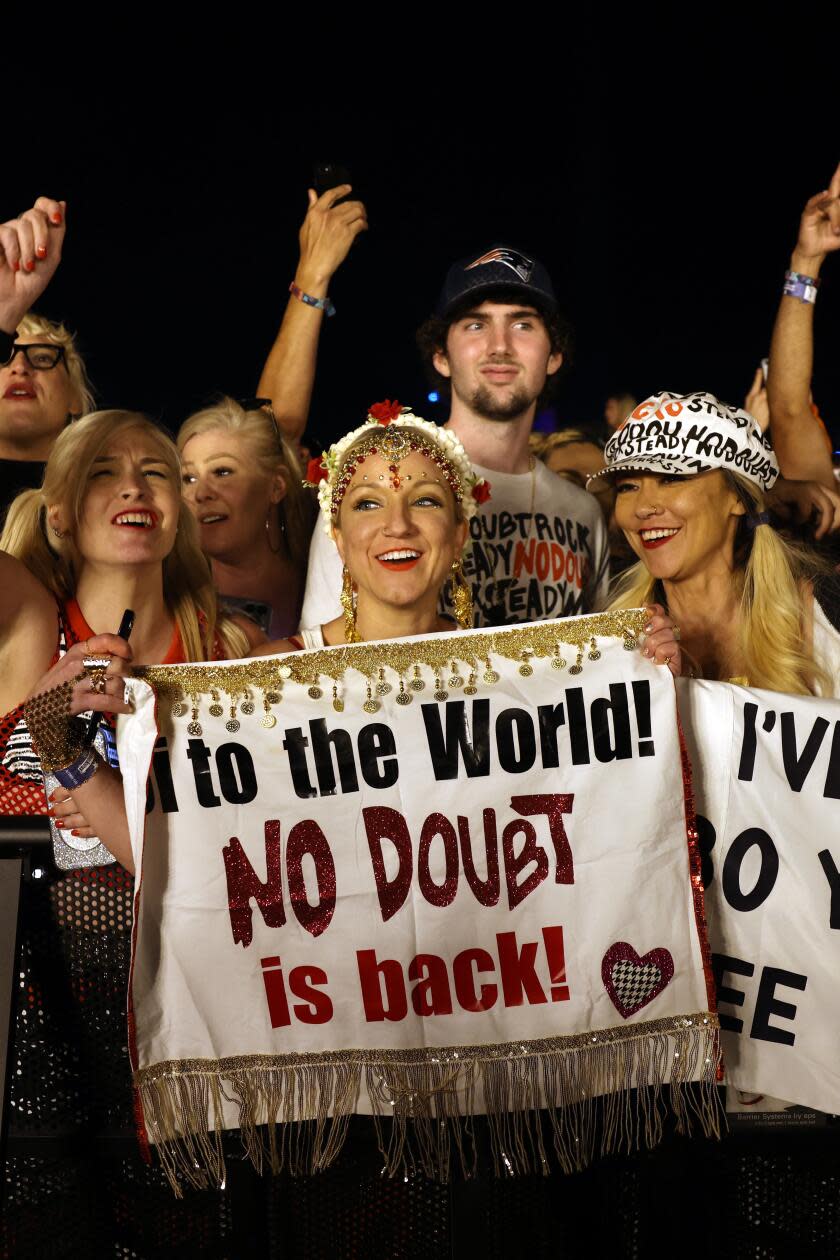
730, 534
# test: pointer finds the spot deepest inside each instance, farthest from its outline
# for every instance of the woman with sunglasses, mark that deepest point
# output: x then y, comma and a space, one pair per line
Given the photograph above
43, 382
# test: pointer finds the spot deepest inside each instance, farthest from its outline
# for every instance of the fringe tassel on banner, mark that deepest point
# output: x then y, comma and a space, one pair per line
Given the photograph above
557, 1095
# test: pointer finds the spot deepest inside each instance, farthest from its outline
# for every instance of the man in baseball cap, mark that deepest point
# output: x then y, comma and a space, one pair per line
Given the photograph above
495, 343
500, 267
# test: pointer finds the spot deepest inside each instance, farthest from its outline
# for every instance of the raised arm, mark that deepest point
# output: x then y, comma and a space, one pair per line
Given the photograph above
30, 251
327, 233
28, 630
798, 437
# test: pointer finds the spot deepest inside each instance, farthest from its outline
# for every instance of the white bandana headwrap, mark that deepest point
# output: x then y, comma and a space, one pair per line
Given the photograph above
690, 433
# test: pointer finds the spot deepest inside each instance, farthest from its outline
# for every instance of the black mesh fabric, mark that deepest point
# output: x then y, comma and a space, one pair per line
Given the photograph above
75, 1184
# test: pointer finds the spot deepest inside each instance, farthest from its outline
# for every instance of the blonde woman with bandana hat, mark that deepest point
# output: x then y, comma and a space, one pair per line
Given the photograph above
691, 477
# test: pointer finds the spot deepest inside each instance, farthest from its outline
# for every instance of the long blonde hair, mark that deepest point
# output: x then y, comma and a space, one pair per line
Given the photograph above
295, 512
187, 584
772, 574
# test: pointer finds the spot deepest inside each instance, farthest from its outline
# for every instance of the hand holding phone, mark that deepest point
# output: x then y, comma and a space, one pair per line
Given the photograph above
327, 175
329, 229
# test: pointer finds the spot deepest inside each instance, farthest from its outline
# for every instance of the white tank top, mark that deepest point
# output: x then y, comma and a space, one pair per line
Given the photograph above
313, 638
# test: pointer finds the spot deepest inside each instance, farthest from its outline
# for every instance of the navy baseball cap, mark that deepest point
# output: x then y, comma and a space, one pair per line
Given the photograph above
499, 267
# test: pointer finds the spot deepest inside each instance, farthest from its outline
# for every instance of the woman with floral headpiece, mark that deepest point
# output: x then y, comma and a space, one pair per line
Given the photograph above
691, 475
396, 494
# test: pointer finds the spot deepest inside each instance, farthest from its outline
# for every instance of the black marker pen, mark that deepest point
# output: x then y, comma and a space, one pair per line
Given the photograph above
124, 631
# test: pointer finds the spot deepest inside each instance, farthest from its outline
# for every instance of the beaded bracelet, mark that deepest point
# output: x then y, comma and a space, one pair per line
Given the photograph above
320, 304
802, 287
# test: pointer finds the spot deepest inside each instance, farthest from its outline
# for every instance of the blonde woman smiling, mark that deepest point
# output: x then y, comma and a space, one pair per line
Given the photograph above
691, 476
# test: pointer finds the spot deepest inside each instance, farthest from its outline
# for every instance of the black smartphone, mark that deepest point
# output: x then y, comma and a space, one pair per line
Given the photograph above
327, 175
126, 626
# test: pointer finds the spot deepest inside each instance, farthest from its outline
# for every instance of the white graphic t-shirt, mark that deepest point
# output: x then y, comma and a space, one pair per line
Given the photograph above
523, 565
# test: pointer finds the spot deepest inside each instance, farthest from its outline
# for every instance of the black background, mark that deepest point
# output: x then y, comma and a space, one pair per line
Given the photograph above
661, 183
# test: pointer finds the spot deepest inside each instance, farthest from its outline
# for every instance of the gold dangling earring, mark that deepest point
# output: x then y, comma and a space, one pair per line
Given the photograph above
462, 599
348, 603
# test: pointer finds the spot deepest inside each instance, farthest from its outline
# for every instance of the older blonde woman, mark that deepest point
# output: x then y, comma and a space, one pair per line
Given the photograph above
242, 482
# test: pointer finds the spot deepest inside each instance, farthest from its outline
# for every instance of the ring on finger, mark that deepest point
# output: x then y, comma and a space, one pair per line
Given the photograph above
96, 662
96, 667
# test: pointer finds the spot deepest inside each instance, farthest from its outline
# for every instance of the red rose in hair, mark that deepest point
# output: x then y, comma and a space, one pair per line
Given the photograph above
481, 491
385, 411
315, 471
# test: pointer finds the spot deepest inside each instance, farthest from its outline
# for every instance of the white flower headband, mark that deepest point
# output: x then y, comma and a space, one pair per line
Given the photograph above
394, 432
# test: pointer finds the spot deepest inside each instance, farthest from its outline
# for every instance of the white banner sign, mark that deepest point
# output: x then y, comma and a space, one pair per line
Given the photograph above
420, 879
767, 793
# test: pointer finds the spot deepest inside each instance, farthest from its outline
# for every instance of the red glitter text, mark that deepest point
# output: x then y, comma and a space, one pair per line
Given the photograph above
445, 853
523, 974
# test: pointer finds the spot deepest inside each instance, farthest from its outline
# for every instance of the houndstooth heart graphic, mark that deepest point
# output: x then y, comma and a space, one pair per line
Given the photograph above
633, 981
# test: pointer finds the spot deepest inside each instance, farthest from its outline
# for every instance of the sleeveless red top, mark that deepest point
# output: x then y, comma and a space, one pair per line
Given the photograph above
21, 777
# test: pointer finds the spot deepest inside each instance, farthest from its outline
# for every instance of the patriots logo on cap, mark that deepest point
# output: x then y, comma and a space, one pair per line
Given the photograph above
509, 258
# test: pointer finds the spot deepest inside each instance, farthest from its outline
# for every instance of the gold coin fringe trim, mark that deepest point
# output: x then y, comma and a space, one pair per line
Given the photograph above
560, 1099
449, 657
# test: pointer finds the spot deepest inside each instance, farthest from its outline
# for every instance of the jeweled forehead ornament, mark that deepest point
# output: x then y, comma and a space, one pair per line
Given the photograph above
393, 432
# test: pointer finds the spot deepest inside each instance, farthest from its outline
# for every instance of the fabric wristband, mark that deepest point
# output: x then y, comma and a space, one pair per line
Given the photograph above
802, 287
83, 768
320, 304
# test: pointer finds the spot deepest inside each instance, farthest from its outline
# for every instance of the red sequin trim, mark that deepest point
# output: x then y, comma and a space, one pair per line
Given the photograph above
695, 868
139, 1119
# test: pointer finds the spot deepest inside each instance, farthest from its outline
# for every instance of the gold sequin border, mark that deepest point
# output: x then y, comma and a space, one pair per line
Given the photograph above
536, 639
674, 1025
